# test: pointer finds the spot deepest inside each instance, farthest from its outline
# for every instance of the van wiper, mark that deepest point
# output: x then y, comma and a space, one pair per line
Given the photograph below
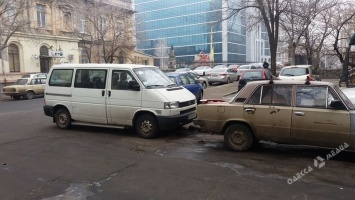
150, 86
289, 75
171, 85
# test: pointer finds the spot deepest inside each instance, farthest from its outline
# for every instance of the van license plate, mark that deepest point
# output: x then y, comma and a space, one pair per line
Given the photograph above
191, 116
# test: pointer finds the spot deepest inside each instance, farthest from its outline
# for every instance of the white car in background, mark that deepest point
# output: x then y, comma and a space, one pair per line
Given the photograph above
296, 73
202, 70
350, 93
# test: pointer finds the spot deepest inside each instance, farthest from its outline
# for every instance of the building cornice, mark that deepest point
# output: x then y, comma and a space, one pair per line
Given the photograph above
46, 37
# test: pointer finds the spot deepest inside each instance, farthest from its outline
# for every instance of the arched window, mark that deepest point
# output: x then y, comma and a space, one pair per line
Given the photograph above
120, 58
43, 51
14, 58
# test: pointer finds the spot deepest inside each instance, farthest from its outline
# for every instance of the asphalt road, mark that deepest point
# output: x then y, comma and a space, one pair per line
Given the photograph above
39, 161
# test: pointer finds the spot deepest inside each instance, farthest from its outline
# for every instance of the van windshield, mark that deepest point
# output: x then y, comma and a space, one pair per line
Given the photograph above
153, 77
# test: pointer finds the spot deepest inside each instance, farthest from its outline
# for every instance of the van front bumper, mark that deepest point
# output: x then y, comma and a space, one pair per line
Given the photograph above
48, 110
171, 122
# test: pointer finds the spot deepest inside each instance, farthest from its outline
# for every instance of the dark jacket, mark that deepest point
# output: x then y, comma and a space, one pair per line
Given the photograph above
266, 65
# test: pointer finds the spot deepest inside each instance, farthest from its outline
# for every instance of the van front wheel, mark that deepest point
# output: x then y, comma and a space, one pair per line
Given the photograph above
146, 126
62, 119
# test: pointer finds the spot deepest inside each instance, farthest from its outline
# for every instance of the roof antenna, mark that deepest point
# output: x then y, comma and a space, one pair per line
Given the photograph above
307, 81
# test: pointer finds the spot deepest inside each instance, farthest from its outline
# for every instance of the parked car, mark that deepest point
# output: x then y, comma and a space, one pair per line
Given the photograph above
137, 96
221, 75
294, 112
242, 68
183, 70
350, 93
254, 75
188, 82
257, 65
34, 75
296, 73
25, 87
202, 80
234, 67
219, 67
202, 71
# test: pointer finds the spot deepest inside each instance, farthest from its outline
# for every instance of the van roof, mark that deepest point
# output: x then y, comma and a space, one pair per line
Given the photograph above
97, 65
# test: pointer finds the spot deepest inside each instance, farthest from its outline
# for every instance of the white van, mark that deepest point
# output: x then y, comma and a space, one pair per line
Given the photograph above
119, 95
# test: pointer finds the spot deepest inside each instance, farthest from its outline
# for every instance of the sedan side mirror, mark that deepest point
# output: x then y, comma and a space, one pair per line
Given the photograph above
337, 104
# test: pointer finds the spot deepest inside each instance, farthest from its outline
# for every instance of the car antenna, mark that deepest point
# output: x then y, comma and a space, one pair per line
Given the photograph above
307, 81
271, 80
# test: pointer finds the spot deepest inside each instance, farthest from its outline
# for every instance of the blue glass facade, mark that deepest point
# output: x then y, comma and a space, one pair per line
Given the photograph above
186, 25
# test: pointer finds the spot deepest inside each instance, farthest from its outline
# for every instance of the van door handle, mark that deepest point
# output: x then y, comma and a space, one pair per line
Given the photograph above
109, 93
299, 113
103, 92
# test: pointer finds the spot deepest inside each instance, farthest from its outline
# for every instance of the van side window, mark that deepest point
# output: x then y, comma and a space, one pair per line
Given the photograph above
61, 78
90, 78
121, 80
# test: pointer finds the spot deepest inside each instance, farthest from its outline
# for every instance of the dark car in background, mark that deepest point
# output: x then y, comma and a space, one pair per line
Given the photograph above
254, 75
188, 82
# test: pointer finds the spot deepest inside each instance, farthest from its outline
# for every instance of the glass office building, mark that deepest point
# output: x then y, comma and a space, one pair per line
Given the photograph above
187, 25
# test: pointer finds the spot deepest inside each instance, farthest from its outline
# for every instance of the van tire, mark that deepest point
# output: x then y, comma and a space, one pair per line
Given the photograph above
146, 126
62, 118
29, 95
238, 137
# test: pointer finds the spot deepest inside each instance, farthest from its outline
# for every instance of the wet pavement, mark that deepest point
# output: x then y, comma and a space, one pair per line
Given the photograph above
39, 161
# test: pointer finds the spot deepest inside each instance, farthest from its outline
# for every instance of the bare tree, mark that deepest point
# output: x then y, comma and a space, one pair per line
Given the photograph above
343, 23
105, 29
162, 52
13, 18
270, 12
315, 37
297, 19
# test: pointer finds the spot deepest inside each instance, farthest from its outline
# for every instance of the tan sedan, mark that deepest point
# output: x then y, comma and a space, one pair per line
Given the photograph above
294, 112
25, 87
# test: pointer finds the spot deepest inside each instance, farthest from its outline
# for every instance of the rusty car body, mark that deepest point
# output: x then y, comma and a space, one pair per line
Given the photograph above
25, 87
294, 112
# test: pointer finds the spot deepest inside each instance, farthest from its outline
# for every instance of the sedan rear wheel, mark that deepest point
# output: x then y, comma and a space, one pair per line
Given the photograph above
204, 85
29, 95
238, 137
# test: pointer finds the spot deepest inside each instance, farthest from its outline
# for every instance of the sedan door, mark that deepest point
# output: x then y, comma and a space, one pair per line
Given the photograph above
269, 112
189, 83
314, 122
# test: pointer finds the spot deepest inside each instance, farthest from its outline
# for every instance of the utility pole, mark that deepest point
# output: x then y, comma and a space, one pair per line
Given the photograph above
211, 48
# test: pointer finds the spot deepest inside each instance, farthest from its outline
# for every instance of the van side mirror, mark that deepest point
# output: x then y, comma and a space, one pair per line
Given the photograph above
133, 85
337, 104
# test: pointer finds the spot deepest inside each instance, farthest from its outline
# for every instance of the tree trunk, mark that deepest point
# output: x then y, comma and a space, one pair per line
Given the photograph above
273, 53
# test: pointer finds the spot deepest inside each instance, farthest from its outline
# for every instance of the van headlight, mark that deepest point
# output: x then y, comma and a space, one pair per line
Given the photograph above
171, 105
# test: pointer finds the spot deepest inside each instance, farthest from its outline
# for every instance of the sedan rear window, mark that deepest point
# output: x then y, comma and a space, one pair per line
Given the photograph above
297, 71
251, 75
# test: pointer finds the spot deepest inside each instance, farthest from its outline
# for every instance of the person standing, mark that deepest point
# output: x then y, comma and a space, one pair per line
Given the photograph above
266, 65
